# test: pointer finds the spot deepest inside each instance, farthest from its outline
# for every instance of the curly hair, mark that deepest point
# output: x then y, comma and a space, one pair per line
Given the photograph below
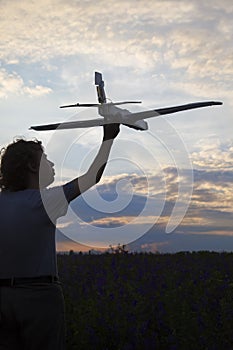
15, 158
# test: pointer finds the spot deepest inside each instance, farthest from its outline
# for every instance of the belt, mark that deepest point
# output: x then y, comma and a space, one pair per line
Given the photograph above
14, 281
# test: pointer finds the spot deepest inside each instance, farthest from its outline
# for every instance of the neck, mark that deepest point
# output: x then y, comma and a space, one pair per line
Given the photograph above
33, 182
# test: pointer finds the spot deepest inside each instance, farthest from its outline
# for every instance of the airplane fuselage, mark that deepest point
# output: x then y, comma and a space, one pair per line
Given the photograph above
113, 114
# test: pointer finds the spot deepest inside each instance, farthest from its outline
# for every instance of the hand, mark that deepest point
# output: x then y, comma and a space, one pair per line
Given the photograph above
111, 131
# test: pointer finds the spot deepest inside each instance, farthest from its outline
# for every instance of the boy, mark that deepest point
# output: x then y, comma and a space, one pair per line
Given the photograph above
31, 298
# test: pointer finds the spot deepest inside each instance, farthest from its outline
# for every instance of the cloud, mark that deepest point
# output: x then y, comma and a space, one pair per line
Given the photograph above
141, 185
174, 50
12, 83
154, 247
170, 37
214, 155
64, 244
9, 83
104, 210
115, 221
37, 91
62, 225
184, 241
210, 206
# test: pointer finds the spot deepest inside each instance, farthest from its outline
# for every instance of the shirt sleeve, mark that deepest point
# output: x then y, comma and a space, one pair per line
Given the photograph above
56, 200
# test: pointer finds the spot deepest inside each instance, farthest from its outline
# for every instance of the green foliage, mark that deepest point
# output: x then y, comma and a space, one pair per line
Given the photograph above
145, 301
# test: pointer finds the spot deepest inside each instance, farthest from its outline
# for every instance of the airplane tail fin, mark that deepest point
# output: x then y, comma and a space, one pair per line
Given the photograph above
100, 87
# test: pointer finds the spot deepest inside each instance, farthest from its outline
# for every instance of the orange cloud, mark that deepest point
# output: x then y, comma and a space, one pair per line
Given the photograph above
123, 220
153, 247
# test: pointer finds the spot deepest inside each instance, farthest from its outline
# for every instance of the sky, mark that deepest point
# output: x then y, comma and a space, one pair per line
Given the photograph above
166, 189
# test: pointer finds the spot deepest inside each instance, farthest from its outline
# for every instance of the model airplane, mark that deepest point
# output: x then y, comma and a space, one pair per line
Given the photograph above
111, 114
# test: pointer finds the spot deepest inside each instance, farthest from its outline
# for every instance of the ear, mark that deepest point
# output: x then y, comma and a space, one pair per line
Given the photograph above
33, 167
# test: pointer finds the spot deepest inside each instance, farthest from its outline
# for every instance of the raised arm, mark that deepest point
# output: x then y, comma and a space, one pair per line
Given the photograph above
94, 173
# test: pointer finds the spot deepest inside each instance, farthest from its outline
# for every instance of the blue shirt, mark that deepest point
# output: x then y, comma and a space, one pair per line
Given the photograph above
27, 230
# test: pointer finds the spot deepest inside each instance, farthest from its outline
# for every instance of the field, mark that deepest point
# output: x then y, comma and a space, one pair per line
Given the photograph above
148, 301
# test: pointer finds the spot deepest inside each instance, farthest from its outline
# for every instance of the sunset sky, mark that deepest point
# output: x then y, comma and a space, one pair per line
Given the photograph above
168, 188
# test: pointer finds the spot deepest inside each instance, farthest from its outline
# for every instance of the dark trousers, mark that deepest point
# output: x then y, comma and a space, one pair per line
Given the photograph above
32, 317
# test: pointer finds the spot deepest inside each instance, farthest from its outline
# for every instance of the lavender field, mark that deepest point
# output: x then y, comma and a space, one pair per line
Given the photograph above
148, 301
